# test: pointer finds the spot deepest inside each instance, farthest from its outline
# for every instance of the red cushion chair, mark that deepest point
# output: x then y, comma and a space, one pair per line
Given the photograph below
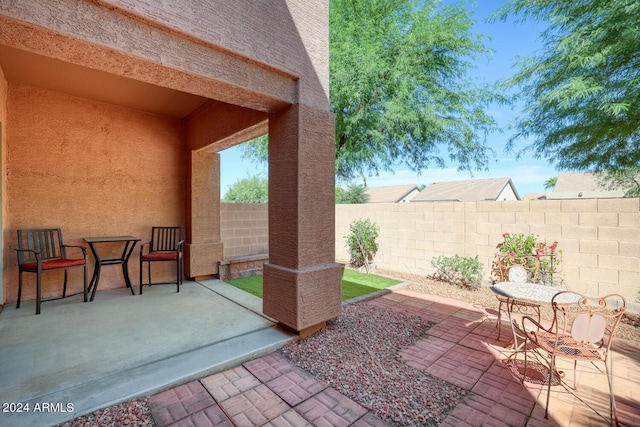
41, 251
165, 245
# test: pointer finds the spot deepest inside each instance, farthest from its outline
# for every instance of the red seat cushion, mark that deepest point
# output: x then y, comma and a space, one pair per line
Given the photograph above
53, 264
161, 256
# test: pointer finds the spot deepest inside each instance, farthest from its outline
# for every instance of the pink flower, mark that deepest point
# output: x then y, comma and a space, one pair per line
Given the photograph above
543, 244
552, 247
512, 254
505, 234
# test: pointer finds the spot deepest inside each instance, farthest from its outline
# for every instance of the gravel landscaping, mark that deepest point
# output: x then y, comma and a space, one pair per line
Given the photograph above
131, 413
357, 355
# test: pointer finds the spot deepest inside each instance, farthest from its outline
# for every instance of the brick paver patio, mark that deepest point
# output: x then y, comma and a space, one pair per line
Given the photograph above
461, 348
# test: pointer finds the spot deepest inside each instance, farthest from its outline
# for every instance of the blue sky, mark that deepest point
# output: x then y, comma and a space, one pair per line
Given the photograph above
508, 40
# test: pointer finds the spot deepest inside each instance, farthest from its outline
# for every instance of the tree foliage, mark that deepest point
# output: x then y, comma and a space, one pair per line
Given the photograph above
550, 183
627, 179
399, 87
248, 190
257, 149
352, 195
582, 91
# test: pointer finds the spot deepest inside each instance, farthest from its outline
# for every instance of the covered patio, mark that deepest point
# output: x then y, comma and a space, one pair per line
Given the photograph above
92, 355
112, 115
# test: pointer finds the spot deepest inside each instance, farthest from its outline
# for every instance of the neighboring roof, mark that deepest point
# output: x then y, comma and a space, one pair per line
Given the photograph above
390, 193
557, 195
577, 181
470, 190
581, 185
535, 196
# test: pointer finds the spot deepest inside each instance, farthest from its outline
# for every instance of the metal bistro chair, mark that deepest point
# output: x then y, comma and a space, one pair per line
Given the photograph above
41, 251
583, 329
515, 273
166, 245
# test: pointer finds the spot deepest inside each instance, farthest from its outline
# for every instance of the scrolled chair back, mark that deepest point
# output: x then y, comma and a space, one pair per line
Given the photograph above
517, 273
591, 321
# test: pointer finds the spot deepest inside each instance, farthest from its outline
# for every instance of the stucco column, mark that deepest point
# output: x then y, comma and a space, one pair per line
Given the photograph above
203, 246
302, 279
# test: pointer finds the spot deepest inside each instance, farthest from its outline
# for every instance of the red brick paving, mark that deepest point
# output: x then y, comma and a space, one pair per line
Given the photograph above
462, 348
296, 386
179, 402
254, 407
330, 408
499, 385
425, 352
269, 367
289, 419
229, 383
476, 410
212, 416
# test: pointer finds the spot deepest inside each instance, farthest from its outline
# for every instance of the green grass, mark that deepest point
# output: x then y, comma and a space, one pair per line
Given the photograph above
354, 284
252, 284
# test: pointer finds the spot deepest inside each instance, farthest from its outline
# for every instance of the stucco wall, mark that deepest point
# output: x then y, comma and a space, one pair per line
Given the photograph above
3, 150
92, 169
267, 31
259, 54
266, 56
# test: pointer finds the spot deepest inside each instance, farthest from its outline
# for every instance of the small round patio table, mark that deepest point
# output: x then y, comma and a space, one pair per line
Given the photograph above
523, 296
530, 292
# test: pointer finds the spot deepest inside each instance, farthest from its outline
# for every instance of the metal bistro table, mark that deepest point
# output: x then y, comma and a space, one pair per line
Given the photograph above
521, 295
129, 245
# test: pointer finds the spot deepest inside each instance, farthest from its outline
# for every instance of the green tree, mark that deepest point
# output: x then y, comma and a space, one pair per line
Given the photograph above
353, 194
627, 179
257, 149
550, 183
400, 90
248, 190
582, 91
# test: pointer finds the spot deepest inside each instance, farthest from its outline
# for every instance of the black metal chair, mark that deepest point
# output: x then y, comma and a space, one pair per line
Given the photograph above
42, 250
166, 245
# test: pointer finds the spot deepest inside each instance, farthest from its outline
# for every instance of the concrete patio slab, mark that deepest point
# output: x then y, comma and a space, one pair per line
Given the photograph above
122, 346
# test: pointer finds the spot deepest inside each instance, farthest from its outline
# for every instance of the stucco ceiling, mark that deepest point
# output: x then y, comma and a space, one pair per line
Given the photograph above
30, 69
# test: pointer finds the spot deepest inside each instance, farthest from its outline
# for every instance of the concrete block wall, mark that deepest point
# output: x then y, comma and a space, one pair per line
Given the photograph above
599, 239
244, 229
250, 265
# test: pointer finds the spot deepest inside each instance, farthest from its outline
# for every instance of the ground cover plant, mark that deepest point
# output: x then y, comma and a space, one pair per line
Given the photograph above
354, 284
459, 270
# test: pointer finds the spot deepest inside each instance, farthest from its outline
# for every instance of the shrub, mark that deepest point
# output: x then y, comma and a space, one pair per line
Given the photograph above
362, 243
540, 258
459, 270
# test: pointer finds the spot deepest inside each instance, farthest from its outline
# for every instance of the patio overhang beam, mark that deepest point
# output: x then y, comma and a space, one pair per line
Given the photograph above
208, 133
196, 69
